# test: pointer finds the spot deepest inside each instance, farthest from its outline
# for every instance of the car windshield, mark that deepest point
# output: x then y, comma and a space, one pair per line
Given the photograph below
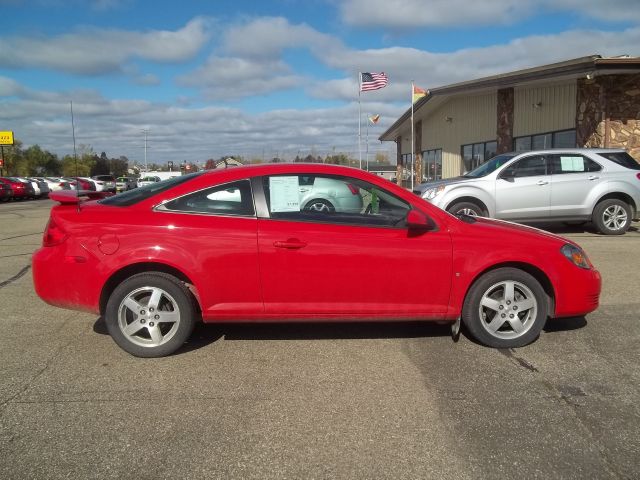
490, 166
142, 193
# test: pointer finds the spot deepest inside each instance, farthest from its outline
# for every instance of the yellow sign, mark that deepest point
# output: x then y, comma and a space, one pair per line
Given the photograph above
6, 138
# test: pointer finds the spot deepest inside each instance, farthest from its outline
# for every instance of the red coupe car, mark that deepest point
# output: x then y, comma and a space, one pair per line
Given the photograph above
250, 244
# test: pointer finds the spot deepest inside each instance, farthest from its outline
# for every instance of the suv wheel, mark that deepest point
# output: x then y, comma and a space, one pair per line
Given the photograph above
612, 217
466, 208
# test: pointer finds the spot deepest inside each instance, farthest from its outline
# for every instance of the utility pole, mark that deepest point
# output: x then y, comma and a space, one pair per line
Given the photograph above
146, 132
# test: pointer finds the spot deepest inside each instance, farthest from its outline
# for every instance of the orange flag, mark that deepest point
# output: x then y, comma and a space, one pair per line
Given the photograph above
418, 93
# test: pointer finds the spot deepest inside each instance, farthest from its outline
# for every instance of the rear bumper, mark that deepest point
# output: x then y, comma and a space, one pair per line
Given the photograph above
77, 291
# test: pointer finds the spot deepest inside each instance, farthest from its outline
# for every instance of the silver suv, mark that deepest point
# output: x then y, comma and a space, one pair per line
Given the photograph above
568, 185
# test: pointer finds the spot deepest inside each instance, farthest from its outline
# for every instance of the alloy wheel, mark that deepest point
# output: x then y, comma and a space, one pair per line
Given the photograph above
508, 309
148, 317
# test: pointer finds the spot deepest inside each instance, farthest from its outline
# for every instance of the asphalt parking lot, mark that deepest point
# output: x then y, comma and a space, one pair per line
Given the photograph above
316, 400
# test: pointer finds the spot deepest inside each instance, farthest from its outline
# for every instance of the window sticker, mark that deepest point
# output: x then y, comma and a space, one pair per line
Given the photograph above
572, 164
284, 194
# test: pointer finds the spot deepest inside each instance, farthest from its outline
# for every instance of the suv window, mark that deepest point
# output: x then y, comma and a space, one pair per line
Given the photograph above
527, 167
228, 199
571, 163
332, 199
105, 178
621, 158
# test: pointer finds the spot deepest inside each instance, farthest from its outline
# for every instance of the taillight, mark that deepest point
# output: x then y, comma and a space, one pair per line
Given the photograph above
53, 234
638, 176
354, 190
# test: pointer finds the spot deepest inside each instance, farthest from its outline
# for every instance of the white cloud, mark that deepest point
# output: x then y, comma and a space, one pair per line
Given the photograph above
396, 14
230, 78
178, 132
98, 51
421, 13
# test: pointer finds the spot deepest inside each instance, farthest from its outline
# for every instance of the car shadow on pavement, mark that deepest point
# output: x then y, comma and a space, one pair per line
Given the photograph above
207, 333
327, 330
565, 324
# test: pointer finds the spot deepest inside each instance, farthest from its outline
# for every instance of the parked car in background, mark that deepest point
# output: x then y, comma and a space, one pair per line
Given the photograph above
6, 192
29, 188
35, 190
568, 185
56, 183
155, 260
143, 181
125, 183
105, 182
19, 189
81, 183
42, 186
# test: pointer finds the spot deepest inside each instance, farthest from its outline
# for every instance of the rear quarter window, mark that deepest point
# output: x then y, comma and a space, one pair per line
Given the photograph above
622, 158
136, 195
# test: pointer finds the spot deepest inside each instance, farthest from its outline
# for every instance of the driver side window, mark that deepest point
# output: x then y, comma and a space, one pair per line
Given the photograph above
533, 166
332, 199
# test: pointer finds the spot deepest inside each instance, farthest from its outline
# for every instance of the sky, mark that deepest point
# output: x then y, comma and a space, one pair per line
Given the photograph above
268, 78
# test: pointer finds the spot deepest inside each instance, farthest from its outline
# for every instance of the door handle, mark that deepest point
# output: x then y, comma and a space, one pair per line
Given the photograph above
292, 244
542, 182
593, 177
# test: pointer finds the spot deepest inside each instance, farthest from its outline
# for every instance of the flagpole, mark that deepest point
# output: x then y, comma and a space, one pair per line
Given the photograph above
366, 156
412, 143
359, 120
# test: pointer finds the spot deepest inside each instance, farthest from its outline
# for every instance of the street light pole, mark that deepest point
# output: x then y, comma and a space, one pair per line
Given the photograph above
146, 132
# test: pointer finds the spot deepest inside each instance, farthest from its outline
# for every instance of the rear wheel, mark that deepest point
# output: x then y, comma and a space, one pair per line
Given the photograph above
466, 208
612, 217
505, 308
150, 314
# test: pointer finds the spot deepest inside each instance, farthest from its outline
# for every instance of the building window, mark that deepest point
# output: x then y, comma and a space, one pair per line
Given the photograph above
432, 164
475, 154
543, 141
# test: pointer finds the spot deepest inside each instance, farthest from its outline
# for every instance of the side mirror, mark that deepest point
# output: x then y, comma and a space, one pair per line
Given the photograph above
418, 221
508, 175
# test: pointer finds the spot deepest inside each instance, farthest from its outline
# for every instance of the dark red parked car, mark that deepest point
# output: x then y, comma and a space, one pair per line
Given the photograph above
6, 192
300, 242
20, 189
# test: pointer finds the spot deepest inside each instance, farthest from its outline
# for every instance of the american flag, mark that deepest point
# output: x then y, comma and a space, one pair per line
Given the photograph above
372, 81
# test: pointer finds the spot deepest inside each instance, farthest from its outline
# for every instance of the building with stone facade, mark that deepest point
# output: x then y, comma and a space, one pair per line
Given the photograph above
585, 102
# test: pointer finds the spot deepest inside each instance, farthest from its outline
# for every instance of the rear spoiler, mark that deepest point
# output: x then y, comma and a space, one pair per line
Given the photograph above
72, 197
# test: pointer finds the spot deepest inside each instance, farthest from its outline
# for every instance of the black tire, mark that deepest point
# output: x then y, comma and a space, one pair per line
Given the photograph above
146, 331
518, 318
612, 217
468, 208
319, 205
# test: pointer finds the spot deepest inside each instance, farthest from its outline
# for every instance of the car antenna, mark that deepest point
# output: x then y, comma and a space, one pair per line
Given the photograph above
75, 156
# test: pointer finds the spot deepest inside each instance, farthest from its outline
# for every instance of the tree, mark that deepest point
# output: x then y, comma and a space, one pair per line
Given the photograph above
382, 158
101, 165
210, 165
119, 167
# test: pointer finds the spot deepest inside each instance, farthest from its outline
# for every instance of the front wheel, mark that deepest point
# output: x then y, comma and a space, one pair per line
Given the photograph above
150, 314
320, 205
505, 308
466, 208
612, 217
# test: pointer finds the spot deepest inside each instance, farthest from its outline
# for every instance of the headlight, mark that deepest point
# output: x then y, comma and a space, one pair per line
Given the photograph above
431, 193
576, 255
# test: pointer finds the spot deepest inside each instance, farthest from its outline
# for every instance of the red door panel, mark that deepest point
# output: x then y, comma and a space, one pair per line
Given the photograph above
323, 270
